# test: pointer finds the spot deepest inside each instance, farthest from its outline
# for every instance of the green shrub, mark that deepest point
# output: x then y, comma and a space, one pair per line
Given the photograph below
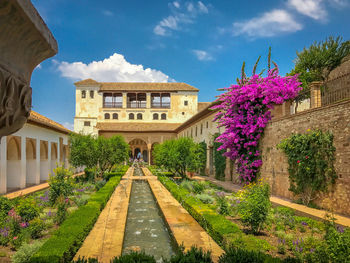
198, 187
62, 212
219, 159
193, 255
99, 184
255, 204
60, 184
205, 198
223, 208
24, 253
311, 159
36, 227
5, 206
65, 241
187, 185
27, 209
338, 241
238, 255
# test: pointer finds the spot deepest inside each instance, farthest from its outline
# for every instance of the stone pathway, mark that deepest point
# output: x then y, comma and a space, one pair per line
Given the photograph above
183, 226
32, 189
105, 240
300, 209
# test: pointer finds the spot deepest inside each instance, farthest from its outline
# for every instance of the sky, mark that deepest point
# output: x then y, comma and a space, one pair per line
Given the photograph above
202, 43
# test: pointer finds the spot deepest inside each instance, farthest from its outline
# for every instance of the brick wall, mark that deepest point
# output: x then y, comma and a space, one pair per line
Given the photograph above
335, 118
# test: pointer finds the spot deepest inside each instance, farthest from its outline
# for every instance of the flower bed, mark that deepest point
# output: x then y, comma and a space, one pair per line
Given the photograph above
232, 218
26, 223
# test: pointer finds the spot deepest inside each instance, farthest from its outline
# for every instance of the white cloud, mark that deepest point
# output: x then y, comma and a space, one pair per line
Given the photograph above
38, 66
115, 68
179, 17
176, 4
69, 126
202, 55
267, 25
311, 8
107, 13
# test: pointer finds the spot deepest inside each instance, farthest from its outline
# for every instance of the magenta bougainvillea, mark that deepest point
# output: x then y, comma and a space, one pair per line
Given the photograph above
244, 111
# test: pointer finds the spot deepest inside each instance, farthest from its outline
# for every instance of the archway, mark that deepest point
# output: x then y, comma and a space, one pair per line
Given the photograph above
53, 156
136, 146
13, 163
31, 163
44, 162
145, 155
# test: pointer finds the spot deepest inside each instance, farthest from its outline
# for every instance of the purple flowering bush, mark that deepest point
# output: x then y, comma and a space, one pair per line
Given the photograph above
245, 110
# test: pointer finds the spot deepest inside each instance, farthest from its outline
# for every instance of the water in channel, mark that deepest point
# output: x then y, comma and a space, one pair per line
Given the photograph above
145, 227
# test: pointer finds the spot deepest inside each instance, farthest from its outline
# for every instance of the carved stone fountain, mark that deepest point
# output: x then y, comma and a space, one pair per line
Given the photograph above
25, 41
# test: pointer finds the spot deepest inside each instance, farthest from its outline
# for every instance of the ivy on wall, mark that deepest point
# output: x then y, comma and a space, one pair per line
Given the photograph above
311, 159
203, 146
219, 159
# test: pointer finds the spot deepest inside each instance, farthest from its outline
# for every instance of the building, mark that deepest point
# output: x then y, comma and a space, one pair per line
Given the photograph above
144, 113
29, 156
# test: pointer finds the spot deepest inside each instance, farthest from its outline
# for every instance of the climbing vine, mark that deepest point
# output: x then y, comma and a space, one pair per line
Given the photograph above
219, 159
244, 111
311, 163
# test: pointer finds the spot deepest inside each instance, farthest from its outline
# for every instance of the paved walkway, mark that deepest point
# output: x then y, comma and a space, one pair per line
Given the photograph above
300, 209
32, 189
105, 240
185, 228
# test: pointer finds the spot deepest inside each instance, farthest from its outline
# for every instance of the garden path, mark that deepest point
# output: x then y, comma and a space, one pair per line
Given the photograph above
303, 210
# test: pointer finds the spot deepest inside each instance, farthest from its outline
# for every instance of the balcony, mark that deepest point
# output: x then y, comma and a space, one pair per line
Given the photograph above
160, 105
136, 104
112, 104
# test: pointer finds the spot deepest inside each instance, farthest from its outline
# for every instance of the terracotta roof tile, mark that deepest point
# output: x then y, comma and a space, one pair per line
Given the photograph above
137, 86
137, 127
203, 105
37, 118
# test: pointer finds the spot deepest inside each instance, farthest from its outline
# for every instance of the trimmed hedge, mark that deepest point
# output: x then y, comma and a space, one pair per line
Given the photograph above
156, 172
120, 171
64, 243
218, 227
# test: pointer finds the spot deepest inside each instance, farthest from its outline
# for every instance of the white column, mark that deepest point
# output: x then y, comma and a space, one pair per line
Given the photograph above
37, 162
23, 178
58, 152
49, 156
3, 165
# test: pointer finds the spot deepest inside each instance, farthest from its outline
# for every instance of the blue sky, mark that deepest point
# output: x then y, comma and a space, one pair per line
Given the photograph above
202, 43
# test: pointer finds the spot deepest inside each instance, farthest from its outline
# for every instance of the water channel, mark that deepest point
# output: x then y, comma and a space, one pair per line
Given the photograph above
145, 226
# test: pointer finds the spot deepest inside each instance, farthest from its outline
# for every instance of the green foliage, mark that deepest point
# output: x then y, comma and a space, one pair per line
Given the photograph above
198, 187
193, 255
36, 227
179, 155
205, 198
100, 152
61, 210
24, 253
5, 206
65, 241
245, 256
99, 184
219, 159
203, 157
311, 159
315, 62
60, 184
27, 209
218, 227
254, 205
187, 185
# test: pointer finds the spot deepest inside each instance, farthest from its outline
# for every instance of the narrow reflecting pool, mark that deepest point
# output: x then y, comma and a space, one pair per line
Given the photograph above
145, 227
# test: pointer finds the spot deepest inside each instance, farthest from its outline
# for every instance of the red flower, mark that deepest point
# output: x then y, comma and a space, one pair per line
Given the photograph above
14, 238
298, 161
306, 157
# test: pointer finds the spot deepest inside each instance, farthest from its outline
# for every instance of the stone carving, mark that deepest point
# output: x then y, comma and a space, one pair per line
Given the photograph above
15, 103
25, 41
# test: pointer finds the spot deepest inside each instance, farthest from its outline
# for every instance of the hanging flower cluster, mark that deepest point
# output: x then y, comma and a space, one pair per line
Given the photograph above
244, 111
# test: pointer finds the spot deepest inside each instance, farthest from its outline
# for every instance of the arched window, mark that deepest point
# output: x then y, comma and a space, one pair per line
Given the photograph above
139, 116
155, 116
115, 116
83, 94
107, 116
131, 116
163, 116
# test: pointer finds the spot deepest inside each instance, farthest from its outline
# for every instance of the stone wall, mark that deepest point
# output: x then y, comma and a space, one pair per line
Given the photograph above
335, 118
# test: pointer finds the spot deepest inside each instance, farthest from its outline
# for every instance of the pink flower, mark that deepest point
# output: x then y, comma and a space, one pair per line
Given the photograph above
298, 161
14, 238
306, 157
